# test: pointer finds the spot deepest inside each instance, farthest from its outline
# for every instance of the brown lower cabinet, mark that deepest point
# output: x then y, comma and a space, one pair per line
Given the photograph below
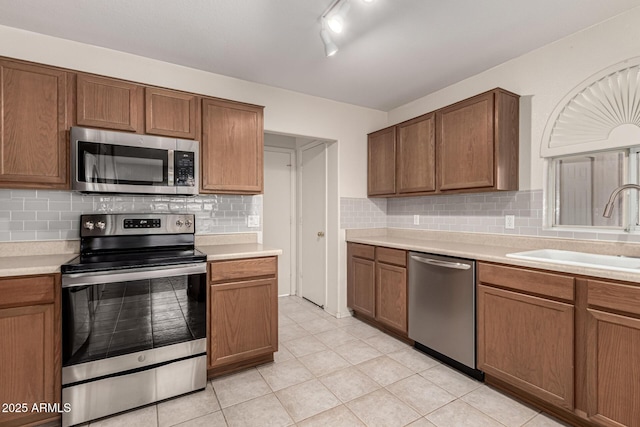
243, 314
30, 349
377, 285
613, 353
569, 345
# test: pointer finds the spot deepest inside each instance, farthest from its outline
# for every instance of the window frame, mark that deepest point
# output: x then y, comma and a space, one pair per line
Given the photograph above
630, 199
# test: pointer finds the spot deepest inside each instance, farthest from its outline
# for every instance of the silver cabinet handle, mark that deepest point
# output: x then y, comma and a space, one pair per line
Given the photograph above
445, 264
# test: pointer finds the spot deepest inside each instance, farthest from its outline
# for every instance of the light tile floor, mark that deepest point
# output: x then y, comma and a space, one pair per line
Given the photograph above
338, 372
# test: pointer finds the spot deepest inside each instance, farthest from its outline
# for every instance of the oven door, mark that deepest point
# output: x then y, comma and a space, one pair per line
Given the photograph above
131, 319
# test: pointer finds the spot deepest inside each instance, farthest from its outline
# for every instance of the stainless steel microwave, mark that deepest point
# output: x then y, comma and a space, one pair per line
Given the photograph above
117, 162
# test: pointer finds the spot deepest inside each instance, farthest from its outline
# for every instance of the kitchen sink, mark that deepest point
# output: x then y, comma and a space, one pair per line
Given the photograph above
584, 259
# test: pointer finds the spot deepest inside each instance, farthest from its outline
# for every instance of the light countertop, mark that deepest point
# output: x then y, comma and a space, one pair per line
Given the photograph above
27, 258
489, 248
33, 264
237, 251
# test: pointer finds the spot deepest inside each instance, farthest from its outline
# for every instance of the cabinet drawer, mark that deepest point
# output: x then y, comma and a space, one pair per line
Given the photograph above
391, 256
362, 251
27, 290
615, 296
537, 282
242, 269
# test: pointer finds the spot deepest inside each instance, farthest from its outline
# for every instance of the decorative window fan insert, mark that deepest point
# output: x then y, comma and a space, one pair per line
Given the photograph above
602, 113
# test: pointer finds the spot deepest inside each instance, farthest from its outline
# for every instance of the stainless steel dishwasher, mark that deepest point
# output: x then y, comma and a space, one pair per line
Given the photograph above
442, 309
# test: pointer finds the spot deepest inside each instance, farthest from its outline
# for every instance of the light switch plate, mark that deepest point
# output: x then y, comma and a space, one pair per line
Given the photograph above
509, 222
253, 221
416, 220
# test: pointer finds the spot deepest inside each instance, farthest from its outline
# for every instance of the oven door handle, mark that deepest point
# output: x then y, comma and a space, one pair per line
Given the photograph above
100, 277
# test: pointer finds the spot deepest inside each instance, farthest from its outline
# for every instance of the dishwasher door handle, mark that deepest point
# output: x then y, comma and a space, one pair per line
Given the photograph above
445, 264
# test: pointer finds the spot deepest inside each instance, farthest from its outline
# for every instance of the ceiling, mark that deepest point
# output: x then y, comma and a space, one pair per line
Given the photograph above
391, 51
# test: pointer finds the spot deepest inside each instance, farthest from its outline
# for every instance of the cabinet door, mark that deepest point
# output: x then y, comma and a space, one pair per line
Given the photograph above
109, 103
33, 126
416, 155
391, 296
28, 360
613, 369
243, 321
381, 164
171, 113
232, 147
612, 349
361, 285
528, 342
466, 144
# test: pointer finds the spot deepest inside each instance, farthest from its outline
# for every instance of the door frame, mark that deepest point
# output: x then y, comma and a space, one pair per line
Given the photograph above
293, 226
299, 168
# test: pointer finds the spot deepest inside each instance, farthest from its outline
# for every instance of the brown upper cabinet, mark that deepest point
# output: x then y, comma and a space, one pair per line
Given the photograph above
171, 113
416, 155
109, 103
34, 125
232, 147
467, 147
381, 164
38, 105
477, 143
401, 158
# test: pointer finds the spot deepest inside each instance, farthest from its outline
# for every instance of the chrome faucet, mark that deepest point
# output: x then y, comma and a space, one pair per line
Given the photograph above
609, 207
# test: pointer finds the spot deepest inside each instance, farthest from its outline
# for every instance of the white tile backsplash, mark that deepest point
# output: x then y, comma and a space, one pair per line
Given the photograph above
476, 213
27, 215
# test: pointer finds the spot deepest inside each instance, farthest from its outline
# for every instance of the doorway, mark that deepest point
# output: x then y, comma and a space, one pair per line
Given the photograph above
296, 175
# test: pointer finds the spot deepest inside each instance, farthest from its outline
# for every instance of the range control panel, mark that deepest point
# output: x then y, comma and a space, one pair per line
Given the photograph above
143, 223
133, 224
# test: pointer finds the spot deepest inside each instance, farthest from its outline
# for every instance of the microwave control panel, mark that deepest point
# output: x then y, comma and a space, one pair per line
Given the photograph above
184, 168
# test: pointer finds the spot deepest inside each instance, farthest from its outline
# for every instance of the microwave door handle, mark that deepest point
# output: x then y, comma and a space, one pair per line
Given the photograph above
170, 167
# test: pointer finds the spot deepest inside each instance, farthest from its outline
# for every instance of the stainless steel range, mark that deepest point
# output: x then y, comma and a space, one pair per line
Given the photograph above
133, 313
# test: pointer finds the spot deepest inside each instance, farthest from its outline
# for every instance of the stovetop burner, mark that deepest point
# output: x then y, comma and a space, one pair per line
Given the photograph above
125, 241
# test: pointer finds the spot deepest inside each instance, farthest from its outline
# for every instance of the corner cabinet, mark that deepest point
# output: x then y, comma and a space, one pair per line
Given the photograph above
361, 267
34, 121
30, 354
242, 324
377, 286
232, 147
381, 162
401, 159
477, 143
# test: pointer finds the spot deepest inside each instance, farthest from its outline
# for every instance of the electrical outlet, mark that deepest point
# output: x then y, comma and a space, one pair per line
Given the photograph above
253, 221
509, 222
416, 220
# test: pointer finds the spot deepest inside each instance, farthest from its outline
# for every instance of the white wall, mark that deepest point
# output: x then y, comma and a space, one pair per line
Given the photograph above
543, 77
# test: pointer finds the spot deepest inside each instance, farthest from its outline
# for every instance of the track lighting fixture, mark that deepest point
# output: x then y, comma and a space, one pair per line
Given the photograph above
330, 48
333, 19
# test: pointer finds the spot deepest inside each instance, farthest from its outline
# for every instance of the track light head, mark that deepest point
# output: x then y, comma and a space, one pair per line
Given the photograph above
335, 20
330, 48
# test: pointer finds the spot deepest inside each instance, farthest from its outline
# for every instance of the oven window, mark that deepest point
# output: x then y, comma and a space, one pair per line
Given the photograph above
107, 320
118, 164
